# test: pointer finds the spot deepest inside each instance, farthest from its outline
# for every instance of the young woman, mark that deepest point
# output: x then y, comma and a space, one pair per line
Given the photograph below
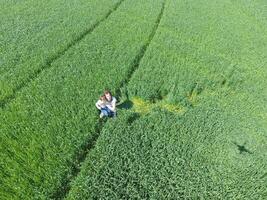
107, 105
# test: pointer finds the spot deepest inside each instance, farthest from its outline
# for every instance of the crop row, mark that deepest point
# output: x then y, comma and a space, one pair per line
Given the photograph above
44, 128
34, 33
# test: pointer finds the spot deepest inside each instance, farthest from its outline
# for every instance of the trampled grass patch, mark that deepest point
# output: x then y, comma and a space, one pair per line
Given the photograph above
143, 106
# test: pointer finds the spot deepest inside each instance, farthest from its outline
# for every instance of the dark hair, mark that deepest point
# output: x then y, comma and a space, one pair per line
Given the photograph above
107, 92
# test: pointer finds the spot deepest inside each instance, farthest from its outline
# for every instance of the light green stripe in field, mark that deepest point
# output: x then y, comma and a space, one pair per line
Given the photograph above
143, 107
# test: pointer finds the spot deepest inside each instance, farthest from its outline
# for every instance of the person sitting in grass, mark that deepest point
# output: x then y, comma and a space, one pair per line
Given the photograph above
107, 105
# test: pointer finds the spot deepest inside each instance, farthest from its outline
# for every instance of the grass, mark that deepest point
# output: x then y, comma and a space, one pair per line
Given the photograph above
41, 32
50, 119
210, 49
190, 77
212, 151
162, 155
199, 61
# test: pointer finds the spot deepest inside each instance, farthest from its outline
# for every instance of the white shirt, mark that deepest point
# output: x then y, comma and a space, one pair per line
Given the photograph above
110, 104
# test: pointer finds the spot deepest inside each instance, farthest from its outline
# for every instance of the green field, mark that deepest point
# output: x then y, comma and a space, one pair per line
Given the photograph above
190, 77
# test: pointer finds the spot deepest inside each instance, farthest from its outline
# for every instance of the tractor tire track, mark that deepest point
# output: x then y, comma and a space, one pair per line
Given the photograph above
50, 61
138, 58
63, 191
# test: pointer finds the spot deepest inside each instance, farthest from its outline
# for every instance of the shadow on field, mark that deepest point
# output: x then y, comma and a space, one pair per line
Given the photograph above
132, 118
128, 104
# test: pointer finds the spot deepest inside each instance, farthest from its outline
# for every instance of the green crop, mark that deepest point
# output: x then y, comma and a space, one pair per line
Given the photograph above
215, 150
49, 121
208, 58
203, 45
35, 33
162, 155
191, 79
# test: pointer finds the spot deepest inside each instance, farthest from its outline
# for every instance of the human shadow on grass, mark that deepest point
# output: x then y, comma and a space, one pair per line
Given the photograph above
127, 104
133, 117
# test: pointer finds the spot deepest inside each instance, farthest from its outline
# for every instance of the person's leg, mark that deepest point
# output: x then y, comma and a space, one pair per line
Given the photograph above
104, 113
110, 113
114, 114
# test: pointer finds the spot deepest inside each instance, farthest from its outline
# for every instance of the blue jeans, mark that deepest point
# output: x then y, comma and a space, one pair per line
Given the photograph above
107, 112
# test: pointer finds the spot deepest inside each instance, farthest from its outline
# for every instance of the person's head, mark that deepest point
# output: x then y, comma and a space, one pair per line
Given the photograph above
103, 98
108, 95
